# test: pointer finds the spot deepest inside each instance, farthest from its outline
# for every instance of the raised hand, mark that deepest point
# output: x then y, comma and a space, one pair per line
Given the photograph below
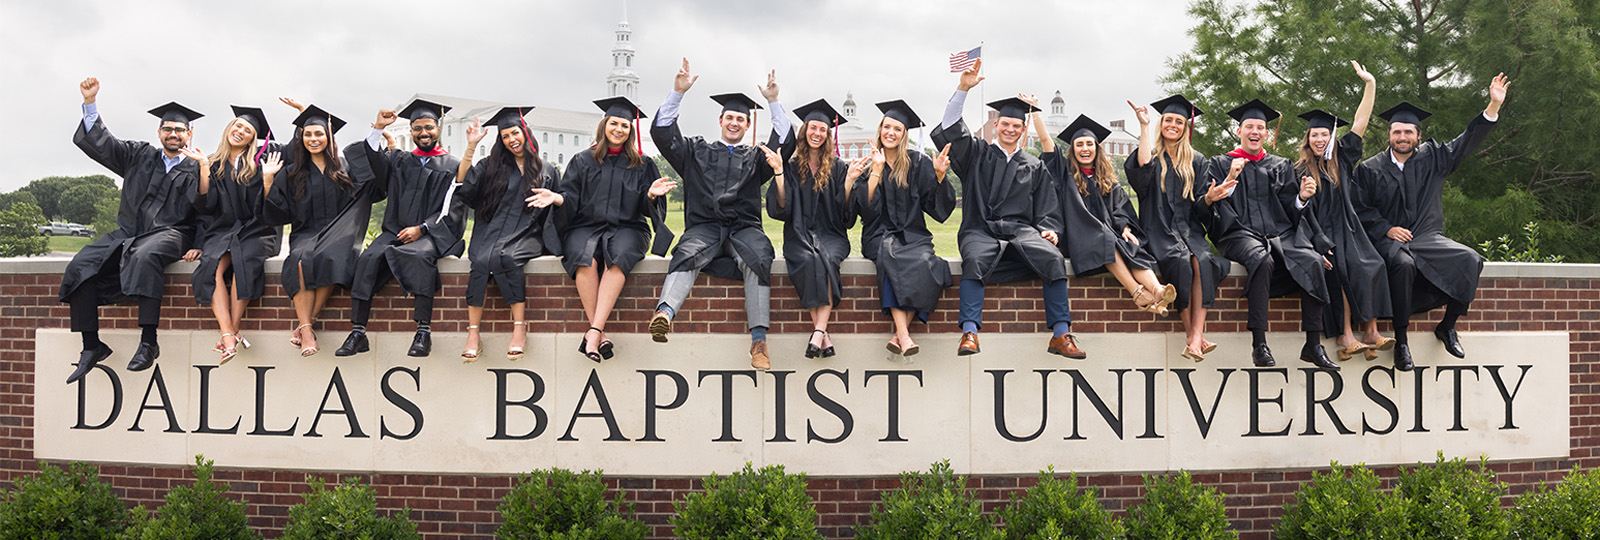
658, 188
941, 163
475, 133
1219, 192
1308, 187
685, 79
90, 88
1030, 99
1236, 167
1497, 88
543, 197
1361, 72
293, 103
774, 160
770, 91
195, 154
272, 164
857, 167
388, 140
971, 76
1142, 112
385, 117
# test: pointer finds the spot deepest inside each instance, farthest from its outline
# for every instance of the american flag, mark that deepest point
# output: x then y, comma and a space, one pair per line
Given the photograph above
962, 60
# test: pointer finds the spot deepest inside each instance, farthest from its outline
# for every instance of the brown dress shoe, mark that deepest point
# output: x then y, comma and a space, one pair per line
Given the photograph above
969, 344
758, 356
1066, 346
660, 326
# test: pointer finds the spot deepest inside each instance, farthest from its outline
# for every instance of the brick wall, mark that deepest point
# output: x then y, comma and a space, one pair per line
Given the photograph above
462, 507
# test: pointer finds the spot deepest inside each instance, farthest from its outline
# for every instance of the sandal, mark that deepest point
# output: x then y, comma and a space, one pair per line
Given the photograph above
1345, 353
243, 343
894, 347
1197, 356
1383, 344
605, 347
294, 335
227, 352
827, 352
594, 356
515, 353
1209, 347
1153, 306
813, 351
471, 355
305, 351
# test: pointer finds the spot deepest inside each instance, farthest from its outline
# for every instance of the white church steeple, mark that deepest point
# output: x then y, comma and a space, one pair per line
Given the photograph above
623, 81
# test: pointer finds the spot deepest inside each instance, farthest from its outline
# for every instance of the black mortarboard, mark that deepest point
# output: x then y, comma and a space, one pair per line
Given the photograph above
257, 119
819, 111
1177, 104
900, 112
508, 117
173, 112
1084, 127
1013, 108
620, 107
315, 116
421, 108
1254, 110
736, 102
1405, 113
1318, 118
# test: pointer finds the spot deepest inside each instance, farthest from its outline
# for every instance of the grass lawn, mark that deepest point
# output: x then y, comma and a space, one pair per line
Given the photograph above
70, 244
944, 234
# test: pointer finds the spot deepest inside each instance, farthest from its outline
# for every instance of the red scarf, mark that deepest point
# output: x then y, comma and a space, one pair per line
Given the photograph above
437, 151
1087, 171
1239, 152
614, 151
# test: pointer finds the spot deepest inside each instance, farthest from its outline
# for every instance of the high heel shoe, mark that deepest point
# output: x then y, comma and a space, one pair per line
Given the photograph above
583, 346
471, 355
305, 351
1154, 305
243, 343
827, 352
1346, 353
227, 352
515, 353
813, 351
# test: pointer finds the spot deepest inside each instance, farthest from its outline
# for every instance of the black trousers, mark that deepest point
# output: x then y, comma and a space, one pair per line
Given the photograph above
421, 308
1258, 291
84, 302
1408, 290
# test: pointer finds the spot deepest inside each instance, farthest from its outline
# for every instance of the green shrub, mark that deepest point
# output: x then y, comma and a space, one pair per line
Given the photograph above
932, 505
1451, 499
1176, 508
197, 512
1344, 503
71, 504
1569, 510
19, 231
1055, 509
767, 504
349, 511
561, 505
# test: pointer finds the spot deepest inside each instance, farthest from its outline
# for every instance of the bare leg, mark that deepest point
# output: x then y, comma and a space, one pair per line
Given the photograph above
305, 309
1194, 320
1348, 337
323, 295
902, 328
819, 321
238, 309
519, 332
588, 281
1120, 271
1370, 333
222, 303
606, 293
474, 317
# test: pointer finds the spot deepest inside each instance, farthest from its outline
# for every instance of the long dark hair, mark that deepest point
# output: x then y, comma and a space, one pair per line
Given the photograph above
805, 157
501, 163
301, 166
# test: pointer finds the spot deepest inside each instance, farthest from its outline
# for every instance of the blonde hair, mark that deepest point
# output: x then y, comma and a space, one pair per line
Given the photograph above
247, 169
898, 159
805, 155
1314, 165
1183, 161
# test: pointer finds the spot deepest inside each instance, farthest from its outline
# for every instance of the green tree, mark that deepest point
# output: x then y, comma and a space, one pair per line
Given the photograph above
81, 203
196, 512
664, 169
19, 231
73, 503
7, 199
49, 190
105, 215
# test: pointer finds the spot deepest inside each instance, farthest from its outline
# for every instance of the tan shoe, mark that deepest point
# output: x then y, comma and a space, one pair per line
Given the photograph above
660, 326
758, 356
1066, 346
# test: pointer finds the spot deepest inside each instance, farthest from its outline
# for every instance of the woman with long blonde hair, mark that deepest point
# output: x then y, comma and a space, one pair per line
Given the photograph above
1162, 173
904, 188
810, 196
237, 239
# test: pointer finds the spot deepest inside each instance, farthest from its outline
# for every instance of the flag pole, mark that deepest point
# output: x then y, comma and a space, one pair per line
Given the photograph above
983, 117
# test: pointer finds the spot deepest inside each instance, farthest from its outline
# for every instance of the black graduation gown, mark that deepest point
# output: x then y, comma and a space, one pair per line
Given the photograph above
1414, 199
894, 232
815, 229
722, 202
1094, 223
1358, 271
155, 219
503, 243
1261, 216
1173, 231
238, 224
418, 193
327, 224
607, 214
1005, 204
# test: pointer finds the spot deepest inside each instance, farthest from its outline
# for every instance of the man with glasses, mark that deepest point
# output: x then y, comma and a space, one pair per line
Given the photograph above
420, 223
155, 225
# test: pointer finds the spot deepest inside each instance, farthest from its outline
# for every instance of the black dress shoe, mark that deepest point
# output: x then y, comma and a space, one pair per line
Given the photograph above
421, 344
354, 343
1402, 358
87, 360
1317, 357
1452, 342
1262, 356
144, 357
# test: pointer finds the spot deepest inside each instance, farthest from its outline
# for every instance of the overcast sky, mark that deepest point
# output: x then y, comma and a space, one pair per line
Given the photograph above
354, 57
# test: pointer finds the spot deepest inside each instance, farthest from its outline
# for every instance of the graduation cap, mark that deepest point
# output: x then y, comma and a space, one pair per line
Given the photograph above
1318, 118
736, 102
1254, 110
819, 111
257, 119
315, 116
508, 117
1084, 127
173, 112
1179, 105
421, 108
620, 107
901, 112
1405, 113
1013, 108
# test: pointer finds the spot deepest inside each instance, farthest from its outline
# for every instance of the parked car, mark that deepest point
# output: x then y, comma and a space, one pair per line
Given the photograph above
56, 228
81, 230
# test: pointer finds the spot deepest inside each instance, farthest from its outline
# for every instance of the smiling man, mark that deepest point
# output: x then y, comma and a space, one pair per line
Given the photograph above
1010, 217
155, 225
1399, 196
420, 223
722, 182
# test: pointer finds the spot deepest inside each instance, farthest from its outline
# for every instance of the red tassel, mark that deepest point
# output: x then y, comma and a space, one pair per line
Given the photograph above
637, 139
834, 135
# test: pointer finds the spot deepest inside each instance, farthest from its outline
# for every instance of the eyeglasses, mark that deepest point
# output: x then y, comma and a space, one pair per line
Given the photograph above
170, 129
